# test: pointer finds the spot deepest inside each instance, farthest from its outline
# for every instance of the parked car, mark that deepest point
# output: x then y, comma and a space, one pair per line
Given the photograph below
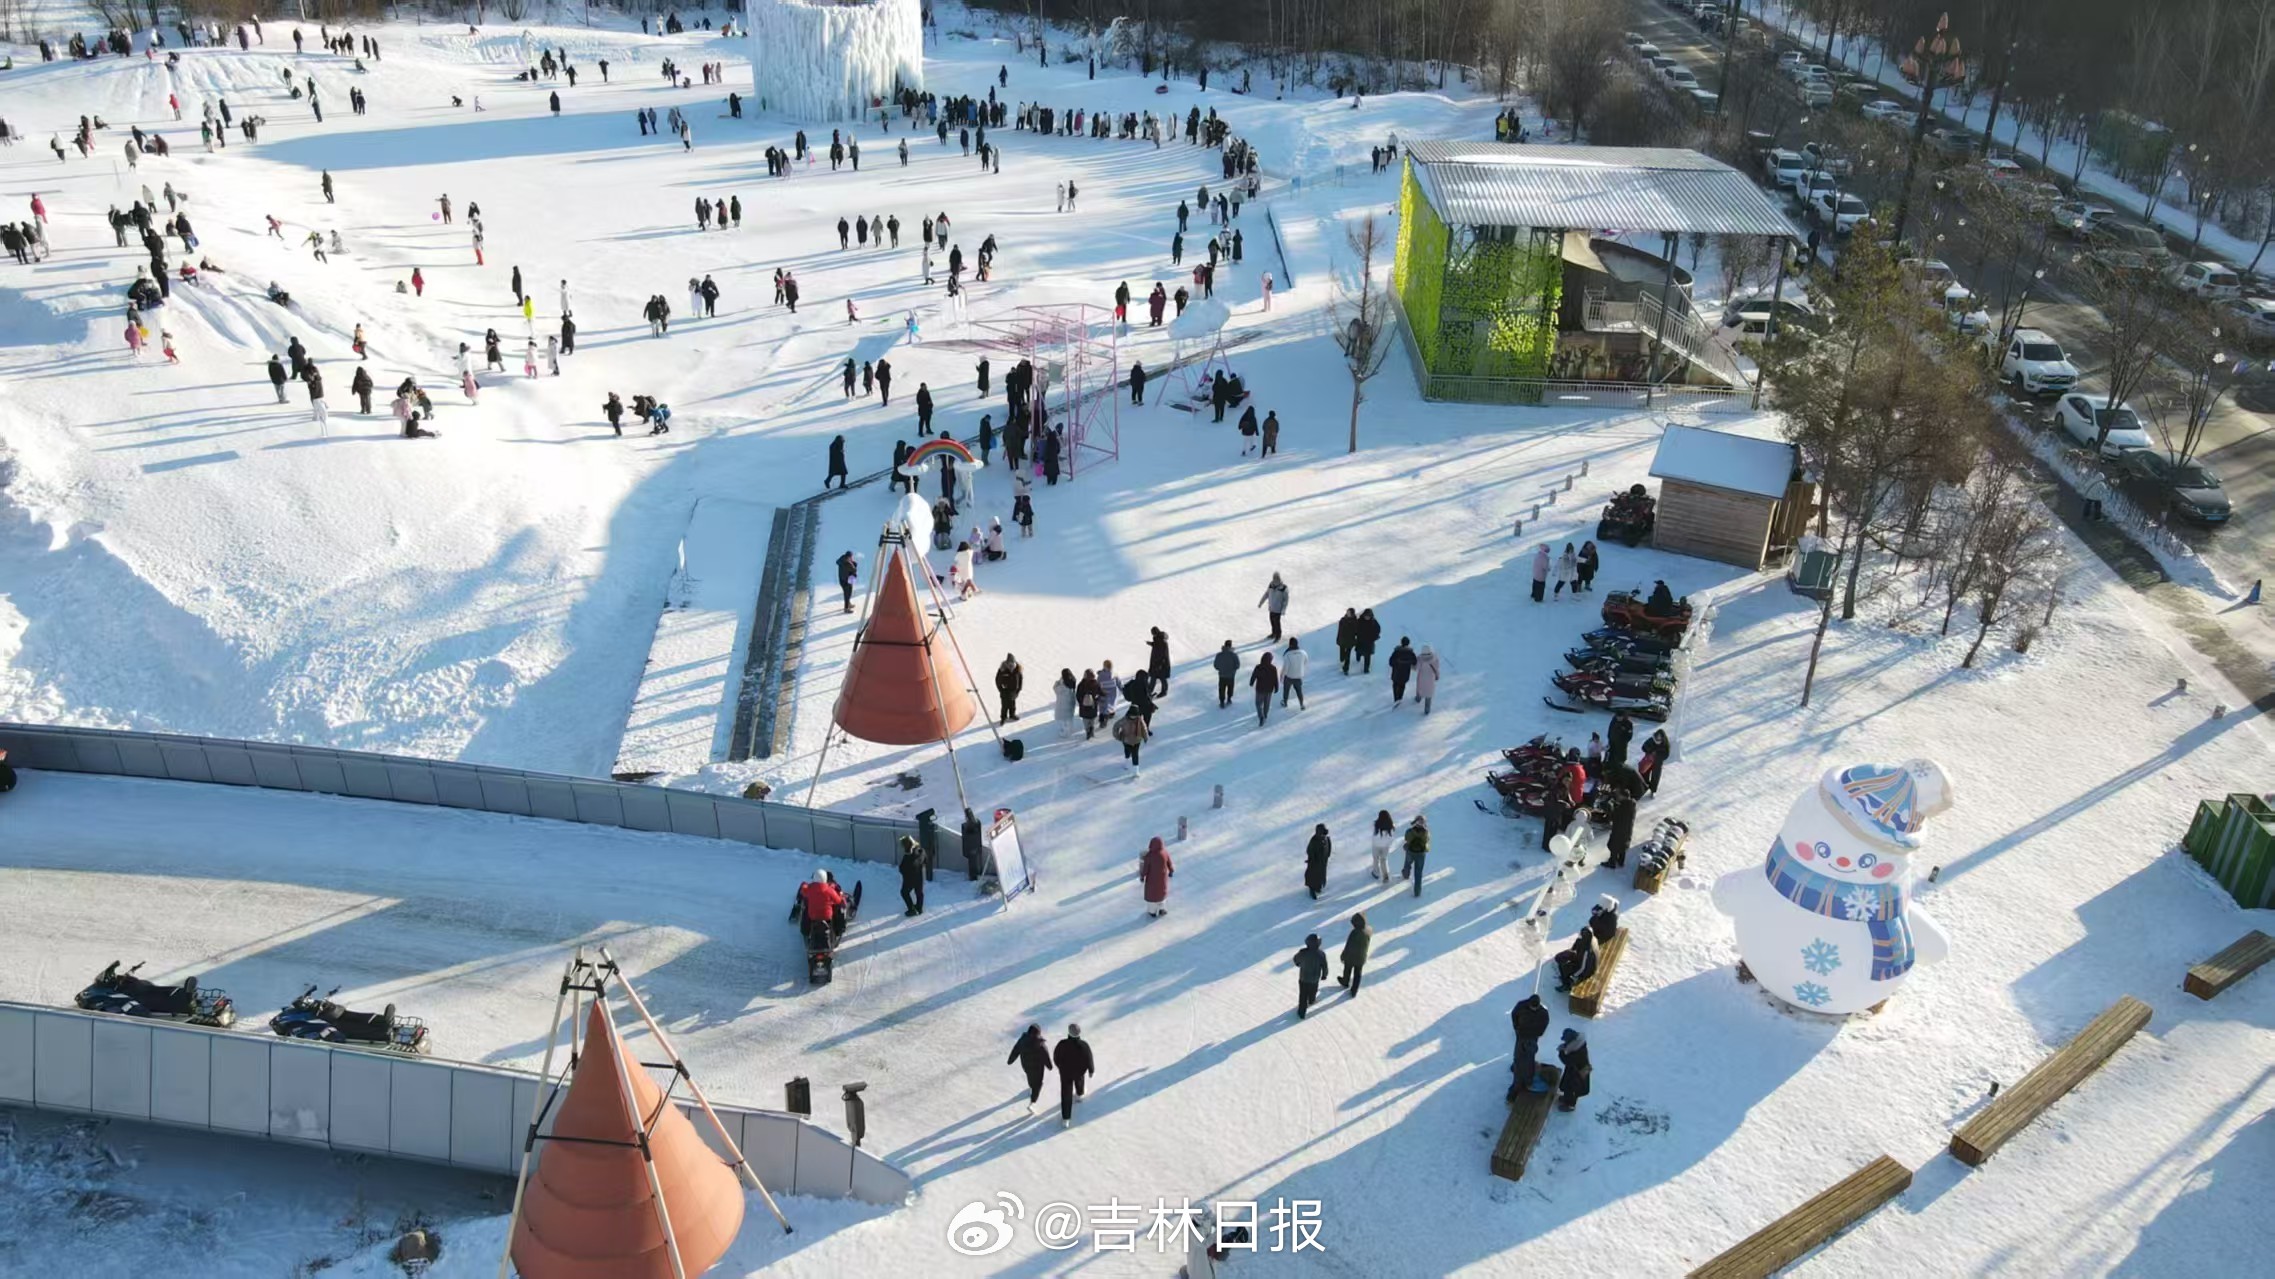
1932, 275
1958, 144
1790, 61
1708, 103
1817, 93
1837, 209
1646, 50
2158, 484
2212, 281
2075, 218
1859, 90
2034, 364
2001, 170
1887, 109
1750, 315
2038, 197
1824, 157
2122, 264
1966, 315
1781, 166
1810, 183
1682, 78
2083, 419
1660, 62
1635, 40
2115, 233
2252, 317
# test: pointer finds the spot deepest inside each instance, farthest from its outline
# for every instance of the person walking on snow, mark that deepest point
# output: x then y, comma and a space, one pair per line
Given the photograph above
1293, 663
848, 568
837, 470
1315, 854
1402, 660
1275, 602
1034, 1057
276, 376
1540, 573
1567, 572
1355, 948
1155, 869
1573, 1053
1157, 661
529, 358
1265, 679
1009, 679
1426, 668
912, 876
1130, 729
1384, 834
1062, 706
1417, 852
1347, 637
1227, 665
1086, 697
1075, 1066
1370, 634
1310, 970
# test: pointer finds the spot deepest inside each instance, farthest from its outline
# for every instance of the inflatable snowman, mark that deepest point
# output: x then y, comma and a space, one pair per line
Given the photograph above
1825, 923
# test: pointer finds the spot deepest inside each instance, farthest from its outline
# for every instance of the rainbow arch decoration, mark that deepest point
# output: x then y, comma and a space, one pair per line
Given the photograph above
921, 456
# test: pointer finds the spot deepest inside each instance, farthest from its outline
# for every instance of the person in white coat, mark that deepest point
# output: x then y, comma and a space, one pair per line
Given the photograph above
1568, 571
964, 486
565, 298
1426, 671
1540, 573
1062, 706
1293, 663
1385, 834
960, 572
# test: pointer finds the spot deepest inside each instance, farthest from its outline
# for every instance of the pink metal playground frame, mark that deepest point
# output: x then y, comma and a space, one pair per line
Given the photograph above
1075, 348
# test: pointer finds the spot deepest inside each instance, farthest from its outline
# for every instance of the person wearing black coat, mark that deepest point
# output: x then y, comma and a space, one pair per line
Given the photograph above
848, 568
837, 469
1137, 690
1655, 752
1622, 732
1402, 661
1573, 1052
568, 336
987, 438
361, 385
1346, 637
1310, 970
912, 875
1355, 948
1227, 664
923, 409
1034, 1057
1009, 679
1370, 634
900, 454
983, 376
1603, 919
1315, 855
1075, 1066
1577, 962
1530, 1020
1622, 832
1157, 661
1087, 696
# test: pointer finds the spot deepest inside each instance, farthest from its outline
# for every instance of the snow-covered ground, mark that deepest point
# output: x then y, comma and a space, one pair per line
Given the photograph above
493, 594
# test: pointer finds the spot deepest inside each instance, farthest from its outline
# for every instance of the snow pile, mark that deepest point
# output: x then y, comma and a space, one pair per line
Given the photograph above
830, 61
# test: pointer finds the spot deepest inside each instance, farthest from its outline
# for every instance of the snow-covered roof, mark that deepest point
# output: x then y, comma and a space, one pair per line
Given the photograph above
1592, 188
1718, 459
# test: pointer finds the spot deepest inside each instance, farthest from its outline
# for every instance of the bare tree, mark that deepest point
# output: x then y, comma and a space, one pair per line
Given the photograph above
2129, 319
1741, 258
1579, 39
2202, 370
1363, 316
2019, 545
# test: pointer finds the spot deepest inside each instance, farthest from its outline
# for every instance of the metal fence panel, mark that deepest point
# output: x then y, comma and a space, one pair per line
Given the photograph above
63, 1052
185, 763
362, 1098
749, 824
770, 1143
240, 1067
825, 1164
320, 772
596, 804
276, 768
456, 786
230, 765
100, 755
33, 748
645, 809
367, 779
120, 1076
692, 813
181, 1076
19, 1038
411, 783
420, 1118
140, 757
506, 793
833, 834
300, 1093
551, 798
483, 1120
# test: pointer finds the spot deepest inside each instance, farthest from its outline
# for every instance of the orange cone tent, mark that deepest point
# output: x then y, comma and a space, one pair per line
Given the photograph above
901, 688
590, 1210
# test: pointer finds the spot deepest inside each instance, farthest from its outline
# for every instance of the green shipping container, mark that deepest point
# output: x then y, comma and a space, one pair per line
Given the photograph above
2235, 841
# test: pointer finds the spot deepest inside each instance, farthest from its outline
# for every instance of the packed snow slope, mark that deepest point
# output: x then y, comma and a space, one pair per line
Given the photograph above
179, 551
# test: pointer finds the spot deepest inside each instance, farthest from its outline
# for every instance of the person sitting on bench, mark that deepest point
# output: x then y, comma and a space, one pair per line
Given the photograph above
1576, 963
1603, 919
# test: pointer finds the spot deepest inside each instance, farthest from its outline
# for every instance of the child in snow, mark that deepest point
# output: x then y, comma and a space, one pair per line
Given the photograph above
529, 358
852, 312
166, 343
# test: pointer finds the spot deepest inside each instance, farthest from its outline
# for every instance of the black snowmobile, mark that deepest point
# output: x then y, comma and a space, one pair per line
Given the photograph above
822, 938
1601, 693
127, 995
316, 1017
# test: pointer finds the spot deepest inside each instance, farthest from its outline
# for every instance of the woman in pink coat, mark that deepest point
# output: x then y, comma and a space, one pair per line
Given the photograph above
1155, 869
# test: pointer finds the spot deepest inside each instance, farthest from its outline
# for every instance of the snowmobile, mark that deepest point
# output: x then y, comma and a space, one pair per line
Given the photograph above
1619, 661
1629, 517
1632, 610
1628, 685
822, 938
1524, 794
313, 1016
127, 995
1540, 750
1624, 639
1598, 693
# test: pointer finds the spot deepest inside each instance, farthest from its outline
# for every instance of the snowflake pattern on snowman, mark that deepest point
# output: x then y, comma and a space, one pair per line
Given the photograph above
1825, 921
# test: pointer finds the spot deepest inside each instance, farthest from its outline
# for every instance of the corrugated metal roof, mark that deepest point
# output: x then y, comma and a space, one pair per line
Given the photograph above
1593, 188
1722, 460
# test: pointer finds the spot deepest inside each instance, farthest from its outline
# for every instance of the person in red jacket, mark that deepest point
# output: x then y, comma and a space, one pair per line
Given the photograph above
1155, 869
821, 901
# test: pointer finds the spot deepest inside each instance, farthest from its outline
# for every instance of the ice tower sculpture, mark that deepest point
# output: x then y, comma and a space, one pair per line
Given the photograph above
833, 59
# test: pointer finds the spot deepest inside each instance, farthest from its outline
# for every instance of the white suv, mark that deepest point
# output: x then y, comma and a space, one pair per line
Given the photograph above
2035, 364
2208, 280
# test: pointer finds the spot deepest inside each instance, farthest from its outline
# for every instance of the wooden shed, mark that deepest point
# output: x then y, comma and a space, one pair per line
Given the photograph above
1724, 497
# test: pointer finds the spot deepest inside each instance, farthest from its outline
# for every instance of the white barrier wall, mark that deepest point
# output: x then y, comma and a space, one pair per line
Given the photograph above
251, 1084
829, 59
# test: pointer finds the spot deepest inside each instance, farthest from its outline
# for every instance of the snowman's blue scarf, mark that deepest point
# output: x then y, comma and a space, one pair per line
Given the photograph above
1882, 907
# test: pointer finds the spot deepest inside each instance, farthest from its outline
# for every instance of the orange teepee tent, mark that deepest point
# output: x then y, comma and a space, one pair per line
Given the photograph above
902, 687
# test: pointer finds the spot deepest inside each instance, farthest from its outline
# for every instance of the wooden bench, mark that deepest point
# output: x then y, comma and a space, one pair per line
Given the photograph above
1792, 1236
1528, 1114
1586, 996
2011, 1111
1651, 881
2229, 966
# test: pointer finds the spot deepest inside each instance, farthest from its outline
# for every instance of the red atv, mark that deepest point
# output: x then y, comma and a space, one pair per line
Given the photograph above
1659, 614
